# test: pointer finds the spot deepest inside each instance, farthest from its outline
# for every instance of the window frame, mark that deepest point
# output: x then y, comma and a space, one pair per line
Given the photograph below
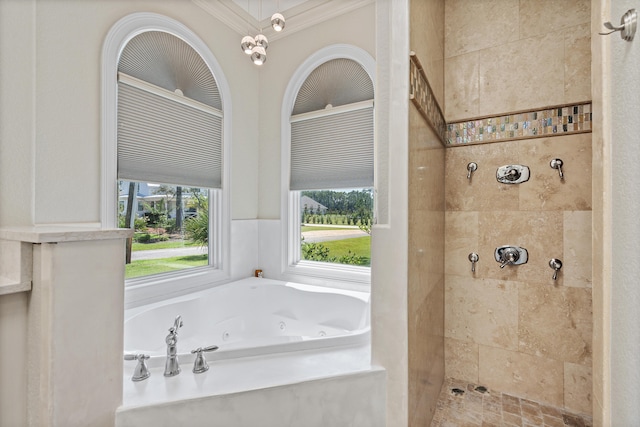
292, 267
149, 289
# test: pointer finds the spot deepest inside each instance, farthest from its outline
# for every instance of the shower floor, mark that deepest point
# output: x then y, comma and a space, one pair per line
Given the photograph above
464, 404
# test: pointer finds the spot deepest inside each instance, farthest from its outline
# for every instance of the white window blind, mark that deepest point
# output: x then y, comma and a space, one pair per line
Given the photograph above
165, 141
333, 150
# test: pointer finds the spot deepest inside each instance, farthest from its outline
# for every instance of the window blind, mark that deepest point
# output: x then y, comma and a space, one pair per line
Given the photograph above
169, 142
333, 151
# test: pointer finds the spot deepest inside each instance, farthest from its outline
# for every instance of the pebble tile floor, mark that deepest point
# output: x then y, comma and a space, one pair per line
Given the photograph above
467, 405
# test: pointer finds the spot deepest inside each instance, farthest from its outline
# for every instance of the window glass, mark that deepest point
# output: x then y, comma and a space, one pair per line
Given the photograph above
171, 226
335, 226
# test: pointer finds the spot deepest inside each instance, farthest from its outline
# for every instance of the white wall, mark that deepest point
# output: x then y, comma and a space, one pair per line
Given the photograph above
625, 194
50, 64
59, 158
284, 57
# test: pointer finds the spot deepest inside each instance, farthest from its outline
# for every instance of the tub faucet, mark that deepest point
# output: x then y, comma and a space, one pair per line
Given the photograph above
172, 367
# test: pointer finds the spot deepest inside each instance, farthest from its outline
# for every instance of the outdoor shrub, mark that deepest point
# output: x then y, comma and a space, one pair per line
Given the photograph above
315, 252
143, 238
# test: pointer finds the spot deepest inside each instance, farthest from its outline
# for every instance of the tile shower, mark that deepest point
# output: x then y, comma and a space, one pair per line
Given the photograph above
514, 88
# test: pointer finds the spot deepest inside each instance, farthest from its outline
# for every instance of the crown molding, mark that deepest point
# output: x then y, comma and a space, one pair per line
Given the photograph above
298, 18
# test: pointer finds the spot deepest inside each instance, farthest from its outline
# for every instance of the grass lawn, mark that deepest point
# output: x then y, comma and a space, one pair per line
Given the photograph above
169, 244
360, 246
147, 267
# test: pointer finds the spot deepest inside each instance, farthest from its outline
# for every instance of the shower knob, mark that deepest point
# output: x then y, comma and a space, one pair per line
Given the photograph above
557, 164
556, 265
471, 167
473, 257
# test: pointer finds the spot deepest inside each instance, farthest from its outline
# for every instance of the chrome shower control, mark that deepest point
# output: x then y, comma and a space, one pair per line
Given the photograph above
556, 264
557, 164
513, 174
473, 257
511, 255
471, 167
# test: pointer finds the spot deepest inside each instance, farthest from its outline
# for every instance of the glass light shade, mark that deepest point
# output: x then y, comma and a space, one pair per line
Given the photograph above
261, 40
258, 55
277, 22
247, 44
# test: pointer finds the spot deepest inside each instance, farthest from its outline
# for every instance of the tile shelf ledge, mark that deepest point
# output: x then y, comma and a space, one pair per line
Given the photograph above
16, 249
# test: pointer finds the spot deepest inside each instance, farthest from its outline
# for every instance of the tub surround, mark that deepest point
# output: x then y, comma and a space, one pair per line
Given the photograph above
229, 376
352, 399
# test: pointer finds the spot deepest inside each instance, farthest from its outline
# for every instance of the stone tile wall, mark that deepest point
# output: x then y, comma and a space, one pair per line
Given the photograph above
425, 292
515, 329
508, 55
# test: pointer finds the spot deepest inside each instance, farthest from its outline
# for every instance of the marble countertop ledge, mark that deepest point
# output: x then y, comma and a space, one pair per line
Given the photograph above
62, 233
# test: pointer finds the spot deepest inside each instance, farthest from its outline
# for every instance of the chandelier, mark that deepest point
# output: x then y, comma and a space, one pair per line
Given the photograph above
257, 46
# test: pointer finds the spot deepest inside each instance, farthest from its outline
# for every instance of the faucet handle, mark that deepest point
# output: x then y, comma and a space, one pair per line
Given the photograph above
141, 372
200, 363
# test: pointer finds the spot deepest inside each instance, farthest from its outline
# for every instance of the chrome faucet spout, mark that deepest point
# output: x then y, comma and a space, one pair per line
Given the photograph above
172, 367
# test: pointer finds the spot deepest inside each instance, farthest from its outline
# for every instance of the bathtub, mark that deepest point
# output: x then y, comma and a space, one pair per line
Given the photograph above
250, 317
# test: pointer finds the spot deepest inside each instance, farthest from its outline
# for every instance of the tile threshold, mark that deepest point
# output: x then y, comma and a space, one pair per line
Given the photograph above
463, 404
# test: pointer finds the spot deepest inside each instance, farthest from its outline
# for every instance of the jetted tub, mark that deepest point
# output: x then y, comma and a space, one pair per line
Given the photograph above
250, 317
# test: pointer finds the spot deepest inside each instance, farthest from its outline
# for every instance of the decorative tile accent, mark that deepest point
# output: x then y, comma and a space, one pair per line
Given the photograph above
551, 121
421, 94
556, 121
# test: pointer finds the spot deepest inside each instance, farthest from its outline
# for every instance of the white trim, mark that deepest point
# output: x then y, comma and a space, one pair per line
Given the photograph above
117, 38
289, 207
298, 17
166, 94
332, 110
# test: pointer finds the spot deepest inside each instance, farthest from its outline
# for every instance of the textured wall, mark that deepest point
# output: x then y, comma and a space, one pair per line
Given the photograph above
511, 55
425, 287
515, 329
426, 269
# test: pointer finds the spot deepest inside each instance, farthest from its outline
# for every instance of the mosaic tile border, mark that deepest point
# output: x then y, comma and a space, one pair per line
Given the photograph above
421, 94
552, 121
544, 122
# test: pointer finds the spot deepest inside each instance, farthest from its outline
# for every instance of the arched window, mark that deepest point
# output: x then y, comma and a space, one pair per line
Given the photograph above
328, 150
164, 145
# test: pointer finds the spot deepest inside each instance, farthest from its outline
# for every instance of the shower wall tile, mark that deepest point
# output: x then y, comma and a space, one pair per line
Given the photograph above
482, 192
556, 322
427, 41
551, 219
425, 287
545, 190
463, 357
482, 311
541, 58
471, 25
577, 65
533, 377
423, 164
461, 229
576, 261
462, 86
539, 232
544, 16
577, 388
510, 82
